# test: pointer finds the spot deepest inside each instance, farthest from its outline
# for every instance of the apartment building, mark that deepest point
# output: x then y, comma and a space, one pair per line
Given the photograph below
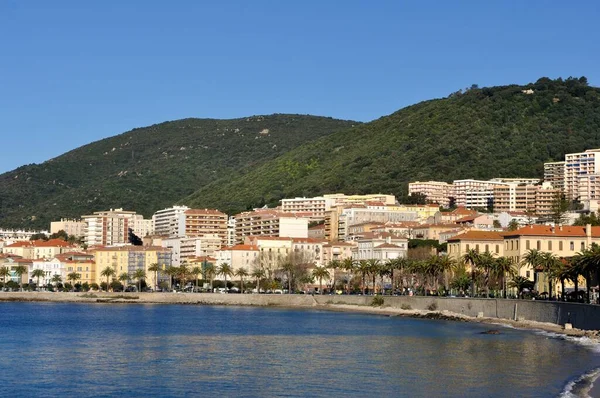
39, 249
200, 222
545, 197
312, 208
337, 251
111, 227
438, 192
340, 199
170, 221
379, 246
480, 241
269, 222
475, 194
70, 226
515, 197
238, 256
578, 165
131, 258
81, 263
554, 174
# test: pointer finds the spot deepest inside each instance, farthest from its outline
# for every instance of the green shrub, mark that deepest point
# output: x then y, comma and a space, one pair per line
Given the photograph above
377, 301
432, 306
405, 307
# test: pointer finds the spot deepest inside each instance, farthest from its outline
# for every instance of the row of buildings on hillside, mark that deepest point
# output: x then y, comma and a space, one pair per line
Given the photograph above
577, 178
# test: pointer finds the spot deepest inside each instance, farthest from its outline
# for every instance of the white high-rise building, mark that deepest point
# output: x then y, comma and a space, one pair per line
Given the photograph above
107, 228
435, 191
169, 222
578, 166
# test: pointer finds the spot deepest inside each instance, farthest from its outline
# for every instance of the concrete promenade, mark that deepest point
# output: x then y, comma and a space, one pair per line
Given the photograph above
581, 316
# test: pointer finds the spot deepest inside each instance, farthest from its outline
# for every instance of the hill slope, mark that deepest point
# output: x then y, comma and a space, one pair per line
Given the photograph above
482, 133
150, 168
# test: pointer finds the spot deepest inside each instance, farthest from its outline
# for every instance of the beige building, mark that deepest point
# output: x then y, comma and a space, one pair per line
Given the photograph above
71, 227
238, 256
39, 249
340, 199
268, 222
435, 191
312, 208
544, 198
108, 228
515, 197
379, 246
432, 231
480, 241
200, 222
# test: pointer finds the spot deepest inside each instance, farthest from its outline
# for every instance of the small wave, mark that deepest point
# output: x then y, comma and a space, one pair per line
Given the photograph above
581, 387
579, 340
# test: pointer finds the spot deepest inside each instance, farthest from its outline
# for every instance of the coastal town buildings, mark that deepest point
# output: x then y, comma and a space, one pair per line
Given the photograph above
269, 222
438, 192
554, 174
170, 222
70, 226
379, 246
112, 227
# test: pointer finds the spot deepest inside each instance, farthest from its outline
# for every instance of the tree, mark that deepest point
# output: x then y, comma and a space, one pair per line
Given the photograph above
558, 208
446, 264
320, 273
73, 277
242, 273
124, 278
196, 271
520, 283
533, 258
258, 274
182, 274
471, 257
513, 225
154, 267
139, 274
225, 270
349, 266
4, 274
56, 279
107, 273
38, 273
39, 236
20, 270
504, 267
373, 266
210, 271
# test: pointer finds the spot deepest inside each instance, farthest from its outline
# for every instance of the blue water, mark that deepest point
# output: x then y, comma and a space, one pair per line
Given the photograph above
173, 350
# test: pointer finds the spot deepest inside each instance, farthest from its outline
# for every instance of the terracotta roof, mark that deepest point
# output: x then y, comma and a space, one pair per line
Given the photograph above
478, 235
366, 223
52, 243
547, 230
380, 235
22, 243
426, 226
462, 210
467, 218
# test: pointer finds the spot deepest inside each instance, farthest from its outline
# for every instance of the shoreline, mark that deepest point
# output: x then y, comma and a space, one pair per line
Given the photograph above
286, 301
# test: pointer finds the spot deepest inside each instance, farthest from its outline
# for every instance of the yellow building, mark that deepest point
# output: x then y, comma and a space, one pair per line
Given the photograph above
480, 241
131, 258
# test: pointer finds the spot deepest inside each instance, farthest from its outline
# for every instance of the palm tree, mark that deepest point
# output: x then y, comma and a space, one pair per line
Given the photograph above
225, 270
349, 266
533, 258
210, 272
373, 266
20, 270
471, 257
320, 273
171, 272
242, 273
504, 266
73, 277
56, 279
288, 268
549, 262
258, 273
520, 283
563, 272
107, 273
154, 267
4, 274
124, 278
139, 274
183, 273
196, 271
446, 264
363, 269
38, 273
486, 264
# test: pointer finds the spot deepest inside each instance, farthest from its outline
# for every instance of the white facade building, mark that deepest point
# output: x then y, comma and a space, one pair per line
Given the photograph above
577, 167
170, 222
434, 191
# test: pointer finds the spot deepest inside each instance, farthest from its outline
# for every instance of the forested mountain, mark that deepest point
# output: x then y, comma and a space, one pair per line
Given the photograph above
507, 131
150, 168
233, 165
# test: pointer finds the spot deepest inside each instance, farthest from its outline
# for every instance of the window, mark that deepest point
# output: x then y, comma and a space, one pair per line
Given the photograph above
527, 274
477, 248
539, 245
512, 245
549, 245
582, 246
560, 245
467, 247
517, 244
487, 248
572, 246
497, 248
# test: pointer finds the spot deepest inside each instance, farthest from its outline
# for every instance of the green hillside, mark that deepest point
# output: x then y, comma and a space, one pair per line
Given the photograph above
480, 133
150, 168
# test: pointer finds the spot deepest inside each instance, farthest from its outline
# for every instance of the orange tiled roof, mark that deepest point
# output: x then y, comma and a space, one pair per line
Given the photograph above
478, 235
547, 230
380, 235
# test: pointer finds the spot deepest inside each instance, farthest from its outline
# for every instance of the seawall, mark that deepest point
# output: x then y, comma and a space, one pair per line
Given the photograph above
581, 316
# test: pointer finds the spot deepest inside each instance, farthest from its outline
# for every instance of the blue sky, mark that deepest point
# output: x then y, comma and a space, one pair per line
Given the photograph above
73, 72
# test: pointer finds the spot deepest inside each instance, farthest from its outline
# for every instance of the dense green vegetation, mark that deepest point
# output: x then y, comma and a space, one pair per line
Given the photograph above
480, 133
150, 168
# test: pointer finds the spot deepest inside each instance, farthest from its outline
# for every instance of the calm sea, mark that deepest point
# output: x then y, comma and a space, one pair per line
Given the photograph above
172, 350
